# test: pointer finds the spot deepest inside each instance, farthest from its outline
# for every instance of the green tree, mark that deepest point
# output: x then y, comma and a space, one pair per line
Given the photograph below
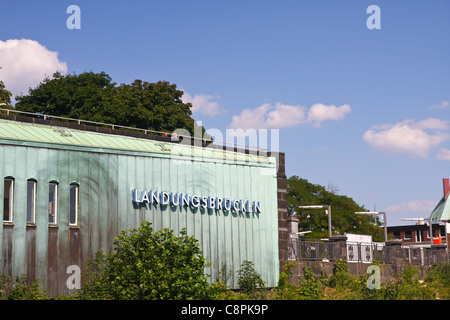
343, 208
5, 95
249, 280
94, 97
149, 265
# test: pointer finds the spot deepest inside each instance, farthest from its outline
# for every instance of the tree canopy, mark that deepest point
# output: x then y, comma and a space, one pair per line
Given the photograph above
5, 95
95, 97
343, 208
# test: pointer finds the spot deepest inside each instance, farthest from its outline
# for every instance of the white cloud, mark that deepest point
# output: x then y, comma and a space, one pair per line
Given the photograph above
25, 63
267, 116
203, 103
408, 137
319, 113
281, 115
443, 154
430, 123
442, 105
412, 208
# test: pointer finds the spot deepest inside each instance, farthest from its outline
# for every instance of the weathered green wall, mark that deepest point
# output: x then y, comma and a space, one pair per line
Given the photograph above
106, 180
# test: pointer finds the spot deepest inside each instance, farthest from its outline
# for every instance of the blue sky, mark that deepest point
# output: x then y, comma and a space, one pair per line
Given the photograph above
365, 110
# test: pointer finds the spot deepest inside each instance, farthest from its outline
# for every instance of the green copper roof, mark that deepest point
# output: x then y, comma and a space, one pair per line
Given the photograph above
13, 132
442, 211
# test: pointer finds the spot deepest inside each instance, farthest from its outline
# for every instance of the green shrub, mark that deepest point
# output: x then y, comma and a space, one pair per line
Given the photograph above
286, 290
21, 289
438, 277
409, 286
341, 275
249, 280
310, 288
149, 265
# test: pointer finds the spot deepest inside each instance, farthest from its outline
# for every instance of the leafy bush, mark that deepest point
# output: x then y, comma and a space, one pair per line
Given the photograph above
411, 288
149, 265
438, 277
20, 289
341, 275
310, 286
249, 280
286, 290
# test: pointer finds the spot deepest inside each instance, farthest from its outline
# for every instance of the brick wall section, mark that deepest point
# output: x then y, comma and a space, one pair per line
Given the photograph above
283, 232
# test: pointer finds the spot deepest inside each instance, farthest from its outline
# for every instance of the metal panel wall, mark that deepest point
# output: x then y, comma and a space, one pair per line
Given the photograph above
106, 181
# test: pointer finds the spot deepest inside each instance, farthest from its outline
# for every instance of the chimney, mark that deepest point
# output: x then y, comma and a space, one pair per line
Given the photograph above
446, 188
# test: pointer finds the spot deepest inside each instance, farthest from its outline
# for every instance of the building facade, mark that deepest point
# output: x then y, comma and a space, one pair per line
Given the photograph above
421, 233
68, 192
418, 233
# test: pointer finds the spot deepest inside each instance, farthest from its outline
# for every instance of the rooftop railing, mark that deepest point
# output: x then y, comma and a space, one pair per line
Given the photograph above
171, 137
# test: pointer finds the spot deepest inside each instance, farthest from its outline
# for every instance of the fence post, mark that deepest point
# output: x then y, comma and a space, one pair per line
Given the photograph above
293, 238
339, 244
394, 254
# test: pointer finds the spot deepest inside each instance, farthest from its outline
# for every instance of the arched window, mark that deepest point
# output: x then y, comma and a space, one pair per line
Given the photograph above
53, 203
8, 199
31, 201
73, 206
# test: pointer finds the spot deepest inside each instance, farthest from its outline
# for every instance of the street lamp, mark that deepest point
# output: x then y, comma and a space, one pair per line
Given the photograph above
328, 212
374, 213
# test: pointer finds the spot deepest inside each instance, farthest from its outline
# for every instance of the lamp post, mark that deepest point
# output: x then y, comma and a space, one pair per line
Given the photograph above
374, 213
321, 207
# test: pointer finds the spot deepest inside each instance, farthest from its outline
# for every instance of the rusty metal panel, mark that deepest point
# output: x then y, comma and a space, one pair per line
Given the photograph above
30, 248
7, 250
52, 262
74, 246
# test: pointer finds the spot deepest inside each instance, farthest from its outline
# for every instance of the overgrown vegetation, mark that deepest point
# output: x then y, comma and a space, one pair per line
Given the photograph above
344, 286
159, 265
341, 285
149, 265
21, 289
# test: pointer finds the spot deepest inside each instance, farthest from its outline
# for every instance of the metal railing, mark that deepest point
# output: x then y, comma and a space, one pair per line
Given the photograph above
173, 135
310, 250
422, 255
80, 121
318, 250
